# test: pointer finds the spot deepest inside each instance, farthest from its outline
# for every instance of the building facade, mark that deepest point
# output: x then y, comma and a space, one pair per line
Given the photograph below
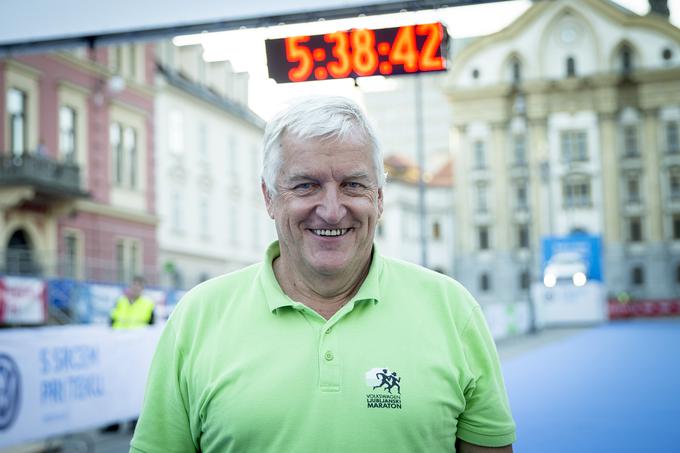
77, 174
209, 147
399, 231
568, 121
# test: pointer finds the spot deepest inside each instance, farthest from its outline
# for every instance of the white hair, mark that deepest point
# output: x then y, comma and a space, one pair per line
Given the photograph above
320, 118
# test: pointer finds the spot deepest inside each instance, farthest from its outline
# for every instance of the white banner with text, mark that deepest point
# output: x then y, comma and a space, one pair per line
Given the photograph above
63, 379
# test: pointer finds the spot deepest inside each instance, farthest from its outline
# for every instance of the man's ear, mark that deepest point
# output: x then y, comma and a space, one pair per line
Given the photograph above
380, 202
267, 199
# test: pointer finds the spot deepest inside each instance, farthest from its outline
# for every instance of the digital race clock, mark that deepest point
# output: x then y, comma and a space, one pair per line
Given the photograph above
358, 52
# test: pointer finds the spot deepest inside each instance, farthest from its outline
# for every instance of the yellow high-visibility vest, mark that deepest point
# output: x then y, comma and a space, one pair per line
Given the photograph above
126, 315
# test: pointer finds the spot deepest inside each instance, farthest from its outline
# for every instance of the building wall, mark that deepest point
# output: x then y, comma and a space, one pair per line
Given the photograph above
546, 104
83, 80
212, 215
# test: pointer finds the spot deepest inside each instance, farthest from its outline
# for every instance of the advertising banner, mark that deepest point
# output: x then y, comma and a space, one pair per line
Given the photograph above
23, 300
63, 379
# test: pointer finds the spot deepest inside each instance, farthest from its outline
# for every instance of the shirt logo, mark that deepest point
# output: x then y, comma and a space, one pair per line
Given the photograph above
10, 391
385, 388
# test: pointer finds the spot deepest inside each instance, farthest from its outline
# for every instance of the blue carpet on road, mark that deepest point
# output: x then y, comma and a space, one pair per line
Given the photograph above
613, 388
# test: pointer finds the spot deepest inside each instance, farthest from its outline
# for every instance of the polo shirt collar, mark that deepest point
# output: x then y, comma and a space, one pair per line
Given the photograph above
276, 298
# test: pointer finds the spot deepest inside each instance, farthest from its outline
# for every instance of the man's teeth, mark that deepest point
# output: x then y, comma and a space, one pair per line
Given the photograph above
337, 232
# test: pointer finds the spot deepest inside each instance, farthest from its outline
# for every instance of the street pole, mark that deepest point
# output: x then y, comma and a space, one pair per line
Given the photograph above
420, 145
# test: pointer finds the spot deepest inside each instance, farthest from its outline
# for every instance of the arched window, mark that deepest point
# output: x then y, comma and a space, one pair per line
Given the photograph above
571, 67
19, 259
626, 61
516, 71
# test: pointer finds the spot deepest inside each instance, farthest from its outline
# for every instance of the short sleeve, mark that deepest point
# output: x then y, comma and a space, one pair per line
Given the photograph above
164, 424
486, 420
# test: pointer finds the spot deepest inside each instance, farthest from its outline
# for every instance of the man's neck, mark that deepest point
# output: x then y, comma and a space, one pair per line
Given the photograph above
323, 294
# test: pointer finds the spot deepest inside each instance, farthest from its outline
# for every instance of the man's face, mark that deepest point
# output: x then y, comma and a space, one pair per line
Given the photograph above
327, 205
136, 289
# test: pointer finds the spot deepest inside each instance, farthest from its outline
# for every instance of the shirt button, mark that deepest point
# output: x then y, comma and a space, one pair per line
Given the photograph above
328, 356
328, 330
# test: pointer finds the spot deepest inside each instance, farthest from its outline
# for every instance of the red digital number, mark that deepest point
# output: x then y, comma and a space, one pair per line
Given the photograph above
364, 55
404, 49
341, 68
296, 52
429, 61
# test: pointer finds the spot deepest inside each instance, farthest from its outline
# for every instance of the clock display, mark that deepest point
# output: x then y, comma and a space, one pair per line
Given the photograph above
358, 52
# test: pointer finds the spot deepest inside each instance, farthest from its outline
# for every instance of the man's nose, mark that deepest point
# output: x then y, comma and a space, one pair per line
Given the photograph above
331, 207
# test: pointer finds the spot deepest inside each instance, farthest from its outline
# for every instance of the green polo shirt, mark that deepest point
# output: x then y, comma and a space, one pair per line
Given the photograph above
407, 365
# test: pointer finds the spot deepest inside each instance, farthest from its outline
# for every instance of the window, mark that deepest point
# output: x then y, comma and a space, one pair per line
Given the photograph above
130, 145
380, 231
204, 217
637, 276
116, 59
630, 141
120, 261
203, 141
626, 61
523, 236
436, 231
672, 140
128, 259
576, 193
667, 54
16, 109
521, 192
134, 260
519, 149
132, 56
70, 269
482, 205
176, 132
635, 229
524, 279
116, 140
674, 184
485, 282
633, 189
677, 273
676, 227
480, 154
67, 133
516, 69
574, 146
571, 67
475, 74
176, 211
483, 237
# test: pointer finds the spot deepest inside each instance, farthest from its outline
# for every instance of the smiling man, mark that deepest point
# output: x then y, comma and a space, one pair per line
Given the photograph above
326, 345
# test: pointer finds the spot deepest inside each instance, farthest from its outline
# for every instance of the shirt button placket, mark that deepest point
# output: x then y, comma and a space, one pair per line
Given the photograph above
329, 363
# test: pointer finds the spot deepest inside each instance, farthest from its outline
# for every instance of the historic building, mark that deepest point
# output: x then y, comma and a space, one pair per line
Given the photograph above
209, 155
77, 165
399, 231
567, 121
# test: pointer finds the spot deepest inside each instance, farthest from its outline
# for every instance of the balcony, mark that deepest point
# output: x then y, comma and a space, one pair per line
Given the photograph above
49, 180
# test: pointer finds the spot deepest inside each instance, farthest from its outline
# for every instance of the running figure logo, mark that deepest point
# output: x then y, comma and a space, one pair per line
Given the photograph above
382, 378
388, 380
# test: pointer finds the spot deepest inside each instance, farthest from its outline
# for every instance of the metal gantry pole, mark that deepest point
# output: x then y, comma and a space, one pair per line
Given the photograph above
420, 150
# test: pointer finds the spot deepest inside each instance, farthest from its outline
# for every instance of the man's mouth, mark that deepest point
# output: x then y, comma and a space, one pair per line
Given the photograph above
331, 233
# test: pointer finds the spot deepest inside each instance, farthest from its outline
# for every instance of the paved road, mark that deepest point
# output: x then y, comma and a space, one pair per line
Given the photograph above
611, 388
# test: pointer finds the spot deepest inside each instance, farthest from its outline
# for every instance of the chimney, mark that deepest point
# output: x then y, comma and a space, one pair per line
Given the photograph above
659, 7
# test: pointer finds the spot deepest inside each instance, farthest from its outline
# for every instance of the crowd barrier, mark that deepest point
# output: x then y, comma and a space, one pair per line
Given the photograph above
25, 300
66, 379
643, 308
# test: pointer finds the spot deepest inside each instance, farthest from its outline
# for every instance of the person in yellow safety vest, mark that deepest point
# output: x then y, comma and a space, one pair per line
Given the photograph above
133, 310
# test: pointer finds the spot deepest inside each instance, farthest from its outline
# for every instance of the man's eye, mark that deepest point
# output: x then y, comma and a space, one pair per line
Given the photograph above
303, 186
354, 185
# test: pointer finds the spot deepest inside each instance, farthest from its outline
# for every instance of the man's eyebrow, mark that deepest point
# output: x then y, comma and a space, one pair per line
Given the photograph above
358, 175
